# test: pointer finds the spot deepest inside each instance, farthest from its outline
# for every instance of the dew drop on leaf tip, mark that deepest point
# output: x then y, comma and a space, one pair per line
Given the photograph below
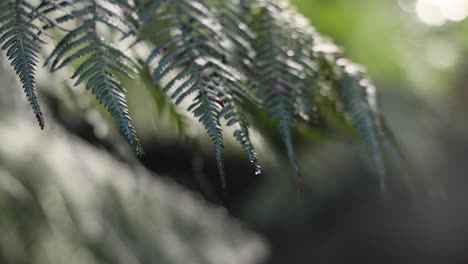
258, 170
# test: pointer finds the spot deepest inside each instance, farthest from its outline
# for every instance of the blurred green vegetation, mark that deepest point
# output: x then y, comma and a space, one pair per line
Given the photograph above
398, 49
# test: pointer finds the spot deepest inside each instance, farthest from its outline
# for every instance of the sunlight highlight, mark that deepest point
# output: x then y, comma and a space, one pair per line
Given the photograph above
439, 12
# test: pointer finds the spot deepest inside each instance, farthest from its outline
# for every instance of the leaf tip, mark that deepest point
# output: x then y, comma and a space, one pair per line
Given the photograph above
40, 119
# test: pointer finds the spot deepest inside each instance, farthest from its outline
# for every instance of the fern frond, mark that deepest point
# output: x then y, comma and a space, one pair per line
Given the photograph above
279, 76
19, 37
100, 64
345, 84
360, 101
196, 57
294, 64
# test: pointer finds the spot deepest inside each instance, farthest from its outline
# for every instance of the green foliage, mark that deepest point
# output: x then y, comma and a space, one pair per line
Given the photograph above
20, 39
194, 44
282, 74
359, 99
102, 61
51, 214
220, 57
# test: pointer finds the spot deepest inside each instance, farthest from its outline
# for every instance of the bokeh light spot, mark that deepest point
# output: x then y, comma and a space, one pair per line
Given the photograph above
438, 12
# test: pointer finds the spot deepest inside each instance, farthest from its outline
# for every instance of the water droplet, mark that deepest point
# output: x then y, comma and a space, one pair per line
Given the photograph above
258, 170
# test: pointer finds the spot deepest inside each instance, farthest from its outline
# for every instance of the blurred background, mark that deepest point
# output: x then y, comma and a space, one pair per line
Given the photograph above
415, 53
